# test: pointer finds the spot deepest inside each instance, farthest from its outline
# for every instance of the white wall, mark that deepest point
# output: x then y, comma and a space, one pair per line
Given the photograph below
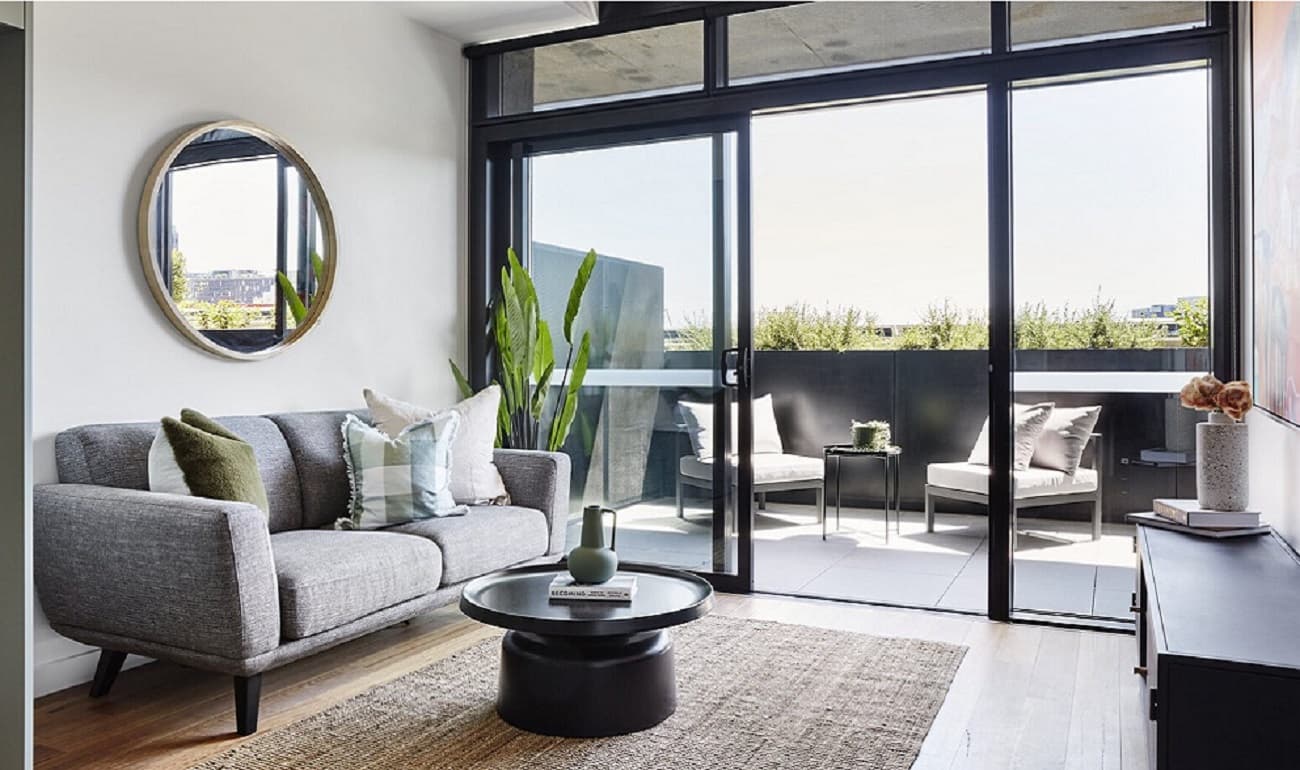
1275, 472
376, 104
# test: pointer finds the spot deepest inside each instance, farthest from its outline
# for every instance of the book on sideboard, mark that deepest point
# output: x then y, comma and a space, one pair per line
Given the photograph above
1162, 455
1191, 514
1160, 522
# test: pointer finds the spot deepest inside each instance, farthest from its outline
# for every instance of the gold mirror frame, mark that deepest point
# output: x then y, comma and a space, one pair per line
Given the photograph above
144, 235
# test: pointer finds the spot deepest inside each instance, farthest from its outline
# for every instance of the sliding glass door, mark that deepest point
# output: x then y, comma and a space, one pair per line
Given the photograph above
871, 270
656, 431
1111, 276
1022, 205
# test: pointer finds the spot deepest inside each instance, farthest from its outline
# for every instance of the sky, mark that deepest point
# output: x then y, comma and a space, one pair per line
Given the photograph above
884, 206
225, 217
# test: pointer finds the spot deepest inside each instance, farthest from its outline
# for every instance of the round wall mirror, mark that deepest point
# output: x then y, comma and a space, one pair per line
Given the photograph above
237, 240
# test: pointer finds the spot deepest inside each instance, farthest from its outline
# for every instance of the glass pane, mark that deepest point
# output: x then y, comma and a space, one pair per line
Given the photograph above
1055, 23
871, 286
647, 62
223, 276
1111, 281
828, 37
642, 440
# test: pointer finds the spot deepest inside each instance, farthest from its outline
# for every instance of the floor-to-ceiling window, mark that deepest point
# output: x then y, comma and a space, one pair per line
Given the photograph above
1111, 270
854, 280
658, 311
1033, 216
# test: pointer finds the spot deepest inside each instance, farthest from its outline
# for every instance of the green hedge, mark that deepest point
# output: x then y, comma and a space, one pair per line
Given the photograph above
947, 327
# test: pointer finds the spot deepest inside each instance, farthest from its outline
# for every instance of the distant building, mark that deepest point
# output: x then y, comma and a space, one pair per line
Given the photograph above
1162, 311
1153, 312
243, 287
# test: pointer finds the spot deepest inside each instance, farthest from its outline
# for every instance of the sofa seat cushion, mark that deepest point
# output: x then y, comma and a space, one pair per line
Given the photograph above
489, 537
1031, 482
330, 578
768, 468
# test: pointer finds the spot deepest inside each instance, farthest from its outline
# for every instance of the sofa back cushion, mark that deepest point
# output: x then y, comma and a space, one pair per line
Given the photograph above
118, 456
316, 442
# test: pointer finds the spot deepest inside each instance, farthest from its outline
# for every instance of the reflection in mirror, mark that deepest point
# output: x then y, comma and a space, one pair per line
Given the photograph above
239, 240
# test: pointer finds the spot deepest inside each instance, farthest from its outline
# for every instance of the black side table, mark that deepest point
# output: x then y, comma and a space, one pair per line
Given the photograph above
586, 669
890, 457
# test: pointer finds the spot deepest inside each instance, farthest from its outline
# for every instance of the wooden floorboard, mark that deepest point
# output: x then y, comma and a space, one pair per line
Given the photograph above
1025, 696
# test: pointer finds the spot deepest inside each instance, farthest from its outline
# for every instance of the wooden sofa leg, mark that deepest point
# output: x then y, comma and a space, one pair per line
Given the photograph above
929, 512
681, 512
762, 501
821, 504
1096, 519
110, 663
248, 694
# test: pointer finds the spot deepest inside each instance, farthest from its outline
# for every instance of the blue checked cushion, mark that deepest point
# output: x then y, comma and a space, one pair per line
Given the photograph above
405, 478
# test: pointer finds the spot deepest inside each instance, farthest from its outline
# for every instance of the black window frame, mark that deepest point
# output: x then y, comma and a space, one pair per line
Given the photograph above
499, 143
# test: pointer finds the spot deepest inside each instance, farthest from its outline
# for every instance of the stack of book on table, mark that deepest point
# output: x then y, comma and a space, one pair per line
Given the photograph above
620, 588
1187, 516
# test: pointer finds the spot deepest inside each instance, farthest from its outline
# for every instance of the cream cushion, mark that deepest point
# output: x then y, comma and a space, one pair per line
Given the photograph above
1030, 482
699, 423
474, 477
1065, 435
1029, 422
165, 474
768, 468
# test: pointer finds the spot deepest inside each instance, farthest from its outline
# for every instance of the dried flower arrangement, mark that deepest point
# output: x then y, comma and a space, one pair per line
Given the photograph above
1208, 394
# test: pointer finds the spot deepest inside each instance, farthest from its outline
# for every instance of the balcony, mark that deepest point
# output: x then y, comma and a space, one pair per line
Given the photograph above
936, 401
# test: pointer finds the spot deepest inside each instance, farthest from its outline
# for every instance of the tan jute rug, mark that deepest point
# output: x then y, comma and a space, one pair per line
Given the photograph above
752, 695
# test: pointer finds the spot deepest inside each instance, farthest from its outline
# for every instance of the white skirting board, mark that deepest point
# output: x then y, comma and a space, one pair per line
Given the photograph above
74, 670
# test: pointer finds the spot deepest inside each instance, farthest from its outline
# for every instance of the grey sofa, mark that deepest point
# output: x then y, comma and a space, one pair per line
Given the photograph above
208, 584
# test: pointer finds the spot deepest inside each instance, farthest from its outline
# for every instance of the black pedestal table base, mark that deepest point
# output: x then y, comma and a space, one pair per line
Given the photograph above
586, 687
586, 669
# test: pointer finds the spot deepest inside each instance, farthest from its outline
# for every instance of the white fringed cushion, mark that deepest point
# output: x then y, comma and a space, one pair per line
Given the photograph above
474, 477
399, 479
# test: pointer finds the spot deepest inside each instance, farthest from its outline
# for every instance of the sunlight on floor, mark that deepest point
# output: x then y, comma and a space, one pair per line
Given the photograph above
1059, 568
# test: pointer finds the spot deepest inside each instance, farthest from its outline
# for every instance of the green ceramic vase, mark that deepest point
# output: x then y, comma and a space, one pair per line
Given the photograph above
592, 562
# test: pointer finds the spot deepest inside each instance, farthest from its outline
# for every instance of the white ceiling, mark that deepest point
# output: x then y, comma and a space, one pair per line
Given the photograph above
487, 20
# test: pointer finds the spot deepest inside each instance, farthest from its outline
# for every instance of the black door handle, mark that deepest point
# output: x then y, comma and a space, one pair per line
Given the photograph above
743, 362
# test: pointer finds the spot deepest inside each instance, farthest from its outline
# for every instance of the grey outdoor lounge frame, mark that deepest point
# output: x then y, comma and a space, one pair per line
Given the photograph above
760, 491
1093, 459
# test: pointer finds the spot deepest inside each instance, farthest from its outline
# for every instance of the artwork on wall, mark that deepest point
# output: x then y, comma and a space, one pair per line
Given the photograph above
1275, 102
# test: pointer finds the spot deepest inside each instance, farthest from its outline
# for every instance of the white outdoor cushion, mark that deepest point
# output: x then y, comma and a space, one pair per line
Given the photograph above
1065, 435
768, 468
1029, 422
699, 423
1031, 482
474, 477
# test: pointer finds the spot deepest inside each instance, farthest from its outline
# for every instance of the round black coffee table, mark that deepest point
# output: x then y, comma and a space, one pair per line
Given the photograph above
586, 669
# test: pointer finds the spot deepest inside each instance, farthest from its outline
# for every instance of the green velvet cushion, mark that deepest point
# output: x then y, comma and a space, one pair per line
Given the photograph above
216, 463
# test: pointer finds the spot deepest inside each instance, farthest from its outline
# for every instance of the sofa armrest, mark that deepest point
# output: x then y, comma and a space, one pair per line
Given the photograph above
538, 480
186, 572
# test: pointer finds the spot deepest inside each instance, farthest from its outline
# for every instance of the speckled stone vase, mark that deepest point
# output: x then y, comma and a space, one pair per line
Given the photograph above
1222, 470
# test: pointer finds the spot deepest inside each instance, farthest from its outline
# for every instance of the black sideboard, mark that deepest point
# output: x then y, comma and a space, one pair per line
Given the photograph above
1219, 644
